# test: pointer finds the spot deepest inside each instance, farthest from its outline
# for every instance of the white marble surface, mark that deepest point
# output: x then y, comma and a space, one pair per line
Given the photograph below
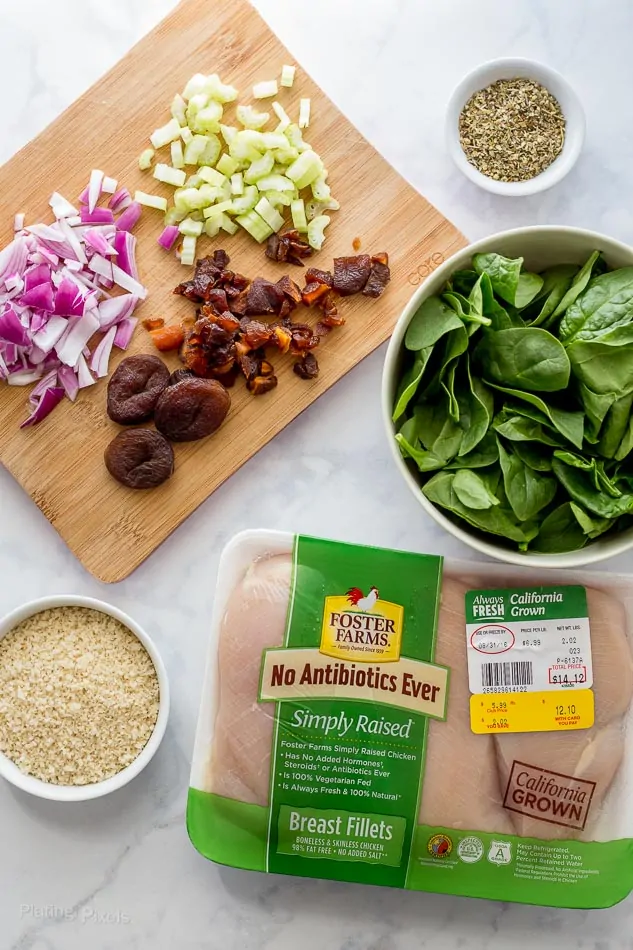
121, 872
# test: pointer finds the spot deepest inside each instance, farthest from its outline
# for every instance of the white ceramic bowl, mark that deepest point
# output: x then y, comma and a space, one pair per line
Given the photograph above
569, 102
541, 247
78, 793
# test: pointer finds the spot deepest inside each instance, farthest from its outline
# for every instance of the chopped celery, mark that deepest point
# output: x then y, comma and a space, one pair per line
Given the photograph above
212, 150
194, 181
186, 134
278, 198
151, 201
212, 226
275, 183
298, 212
259, 169
227, 224
282, 115
294, 136
211, 175
245, 144
304, 113
255, 226
174, 216
228, 133
188, 253
169, 175
237, 184
177, 157
216, 89
265, 90
227, 165
305, 169
316, 228
287, 75
274, 140
190, 227
195, 86
196, 103
165, 134
320, 189
226, 190
178, 109
188, 199
246, 201
197, 216
209, 194
215, 210
145, 159
285, 156
208, 118
195, 149
270, 215
251, 119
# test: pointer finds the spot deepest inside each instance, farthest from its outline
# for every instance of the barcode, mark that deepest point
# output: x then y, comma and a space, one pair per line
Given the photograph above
517, 673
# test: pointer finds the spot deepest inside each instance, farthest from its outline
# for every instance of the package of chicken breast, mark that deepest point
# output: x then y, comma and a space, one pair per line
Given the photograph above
391, 718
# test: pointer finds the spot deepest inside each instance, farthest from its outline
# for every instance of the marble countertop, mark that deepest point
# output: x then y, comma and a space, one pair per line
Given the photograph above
120, 873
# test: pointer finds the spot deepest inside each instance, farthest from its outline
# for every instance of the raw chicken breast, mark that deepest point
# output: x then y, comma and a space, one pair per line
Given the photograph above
611, 653
255, 618
461, 780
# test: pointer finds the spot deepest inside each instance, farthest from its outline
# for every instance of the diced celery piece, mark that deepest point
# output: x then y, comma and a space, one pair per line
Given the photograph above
177, 157
228, 133
188, 199
174, 216
227, 224
246, 201
237, 184
227, 165
208, 118
196, 103
274, 140
151, 201
212, 150
197, 216
251, 119
216, 89
265, 90
165, 134
209, 194
195, 86
169, 175
294, 136
316, 227
194, 181
145, 159
282, 115
259, 169
278, 198
255, 226
287, 75
305, 169
285, 157
298, 212
226, 190
247, 145
270, 215
275, 183
190, 227
212, 226
195, 149
320, 188
188, 254
186, 134
304, 113
179, 109
220, 208
211, 175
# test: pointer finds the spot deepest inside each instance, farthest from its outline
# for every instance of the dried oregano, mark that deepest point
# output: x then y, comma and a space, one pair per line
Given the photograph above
512, 130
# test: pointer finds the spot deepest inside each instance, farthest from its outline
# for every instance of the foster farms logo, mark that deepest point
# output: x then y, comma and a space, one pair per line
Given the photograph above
360, 626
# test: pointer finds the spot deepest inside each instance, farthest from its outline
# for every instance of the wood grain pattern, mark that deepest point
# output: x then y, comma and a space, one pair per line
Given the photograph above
60, 463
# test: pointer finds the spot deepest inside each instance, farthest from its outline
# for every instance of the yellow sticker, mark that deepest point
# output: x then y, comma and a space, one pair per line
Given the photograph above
548, 711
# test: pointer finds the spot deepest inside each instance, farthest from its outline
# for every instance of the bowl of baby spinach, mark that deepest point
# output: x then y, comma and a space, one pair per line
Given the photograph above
508, 396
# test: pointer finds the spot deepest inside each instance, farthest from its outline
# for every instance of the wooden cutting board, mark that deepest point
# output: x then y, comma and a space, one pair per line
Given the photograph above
60, 462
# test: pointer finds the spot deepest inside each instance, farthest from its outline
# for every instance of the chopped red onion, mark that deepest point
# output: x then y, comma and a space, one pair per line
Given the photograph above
97, 216
108, 185
68, 379
46, 382
101, 356
169, 236
84, 376
94, 188
125, 248
124, 332
47, 403
120, 200
116, 309
130, 216
41, 297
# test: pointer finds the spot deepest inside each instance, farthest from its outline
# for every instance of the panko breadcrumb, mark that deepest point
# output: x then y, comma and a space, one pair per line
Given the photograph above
79, 696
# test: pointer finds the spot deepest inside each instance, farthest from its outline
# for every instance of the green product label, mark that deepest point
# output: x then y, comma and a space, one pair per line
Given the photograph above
525, 604
354, 685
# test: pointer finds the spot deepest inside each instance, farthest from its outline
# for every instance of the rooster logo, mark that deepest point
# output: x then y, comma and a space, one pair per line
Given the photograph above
357, 599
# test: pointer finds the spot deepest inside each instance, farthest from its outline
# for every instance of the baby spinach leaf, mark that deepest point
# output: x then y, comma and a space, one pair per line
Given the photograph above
579, 283
596, 406
439, 490
602, 367
472, 490
448, 385
528, 287
606, 305
430, 322
437, 432
528, 492
410, 382
476, 408
559, 532
592, 527
485, 454
581, 489
503, 273
626, 444
528, 358
615, 425
556, 282
569, 423
426, 461
463, 281
534, 455
522, 429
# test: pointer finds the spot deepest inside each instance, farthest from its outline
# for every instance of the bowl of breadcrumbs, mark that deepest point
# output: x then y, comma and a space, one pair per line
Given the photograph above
84, 698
